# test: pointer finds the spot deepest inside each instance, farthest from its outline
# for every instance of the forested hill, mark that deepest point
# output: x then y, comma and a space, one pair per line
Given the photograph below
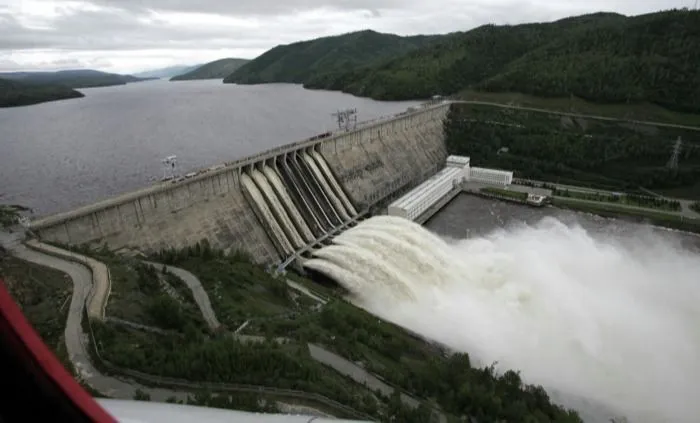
80, 78
168, 72
605, 58
302, 61
13, 93
218, 69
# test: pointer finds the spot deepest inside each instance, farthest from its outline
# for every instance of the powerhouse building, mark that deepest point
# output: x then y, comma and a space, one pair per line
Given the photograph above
457, 171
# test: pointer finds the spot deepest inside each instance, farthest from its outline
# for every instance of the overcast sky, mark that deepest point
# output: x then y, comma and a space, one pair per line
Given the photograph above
133, 35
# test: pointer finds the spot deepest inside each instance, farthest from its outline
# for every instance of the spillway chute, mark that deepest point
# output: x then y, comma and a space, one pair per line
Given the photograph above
268, 219
329, 193
277, 209
294, 213
334, 183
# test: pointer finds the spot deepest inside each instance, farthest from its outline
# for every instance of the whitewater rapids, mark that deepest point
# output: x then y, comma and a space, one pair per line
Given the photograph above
614, 321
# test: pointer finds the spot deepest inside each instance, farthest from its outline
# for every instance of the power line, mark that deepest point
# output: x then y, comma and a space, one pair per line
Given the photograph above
347, 119
169, 167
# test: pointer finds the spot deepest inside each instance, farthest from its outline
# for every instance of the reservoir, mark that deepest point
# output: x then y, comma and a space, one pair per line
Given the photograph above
58, 155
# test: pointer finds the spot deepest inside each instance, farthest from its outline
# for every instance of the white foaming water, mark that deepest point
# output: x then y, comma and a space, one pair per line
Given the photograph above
612, 321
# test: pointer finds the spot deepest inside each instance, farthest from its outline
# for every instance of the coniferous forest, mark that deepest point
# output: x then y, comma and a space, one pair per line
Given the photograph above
602, 57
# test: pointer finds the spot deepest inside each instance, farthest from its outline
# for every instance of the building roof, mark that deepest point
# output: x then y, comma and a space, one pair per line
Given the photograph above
418, 193
490, 171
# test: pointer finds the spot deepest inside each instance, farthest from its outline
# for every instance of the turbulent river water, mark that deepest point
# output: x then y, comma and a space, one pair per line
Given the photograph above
602, 313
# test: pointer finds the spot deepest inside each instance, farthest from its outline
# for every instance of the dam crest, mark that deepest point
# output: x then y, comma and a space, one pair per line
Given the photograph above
275, 204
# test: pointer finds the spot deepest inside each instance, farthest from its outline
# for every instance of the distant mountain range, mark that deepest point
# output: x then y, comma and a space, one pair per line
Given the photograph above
15, 93
601, 57
168, 72
82, 78
218, 69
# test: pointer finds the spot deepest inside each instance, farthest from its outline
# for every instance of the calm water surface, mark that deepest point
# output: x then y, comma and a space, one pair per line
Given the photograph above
58, 155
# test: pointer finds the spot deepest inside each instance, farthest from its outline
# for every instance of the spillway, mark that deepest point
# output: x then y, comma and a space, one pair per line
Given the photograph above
289, 205
267, 216
302, 180
277, 209
334, 183
330, 195
296, 201
301, 198
317, 190
596, 320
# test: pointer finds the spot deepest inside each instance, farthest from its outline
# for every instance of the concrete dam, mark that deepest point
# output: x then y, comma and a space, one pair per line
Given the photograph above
272, 205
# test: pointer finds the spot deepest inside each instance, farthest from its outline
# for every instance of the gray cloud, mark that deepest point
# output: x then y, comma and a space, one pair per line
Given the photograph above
133, 34
254, 7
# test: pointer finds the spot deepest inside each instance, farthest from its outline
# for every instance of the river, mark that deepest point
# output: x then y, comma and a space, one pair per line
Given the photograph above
58, 155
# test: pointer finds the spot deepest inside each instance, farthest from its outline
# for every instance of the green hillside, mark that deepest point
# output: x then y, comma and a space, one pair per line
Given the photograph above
602, 154
307, 60
605, 58
13, 93
217, 69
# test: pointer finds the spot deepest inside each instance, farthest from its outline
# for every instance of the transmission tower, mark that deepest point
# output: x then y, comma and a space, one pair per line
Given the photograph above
169, 167
673, 161
347, 119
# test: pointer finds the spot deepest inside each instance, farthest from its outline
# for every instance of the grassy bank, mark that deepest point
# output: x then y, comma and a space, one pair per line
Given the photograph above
639, 111
598, 154
647, 202
44, 295
612, 210
500, 192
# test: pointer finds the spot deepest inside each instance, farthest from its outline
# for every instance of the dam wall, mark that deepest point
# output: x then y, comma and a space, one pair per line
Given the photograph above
271, 204
378, 160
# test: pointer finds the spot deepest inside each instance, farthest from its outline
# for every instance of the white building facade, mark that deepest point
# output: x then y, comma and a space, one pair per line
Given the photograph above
490, 176
457, 170
421, 198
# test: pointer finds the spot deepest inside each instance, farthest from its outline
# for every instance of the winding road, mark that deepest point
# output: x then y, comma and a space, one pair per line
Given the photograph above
198, 292
91, 287
76, 339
